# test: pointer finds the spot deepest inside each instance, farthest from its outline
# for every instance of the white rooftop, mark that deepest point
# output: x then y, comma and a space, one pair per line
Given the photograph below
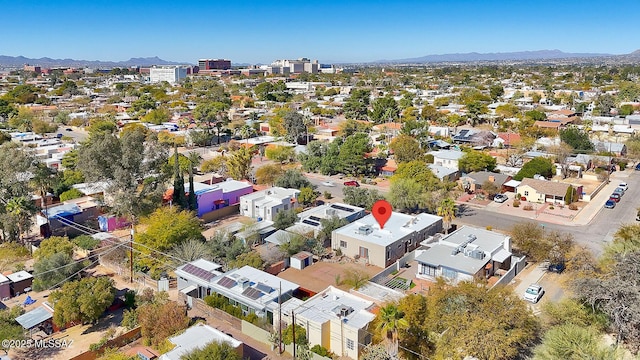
483, 239
19, 276
448, 154
313, 216
333, 303
397, 227
234, 284
271, 194
194, 337
92, 188
231, 185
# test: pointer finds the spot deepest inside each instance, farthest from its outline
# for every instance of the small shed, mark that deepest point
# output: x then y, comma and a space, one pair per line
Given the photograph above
5, 287
20, 282
301, 260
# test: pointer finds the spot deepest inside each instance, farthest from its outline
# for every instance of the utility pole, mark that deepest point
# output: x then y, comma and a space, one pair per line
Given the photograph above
280, 319
131, 255
293, 327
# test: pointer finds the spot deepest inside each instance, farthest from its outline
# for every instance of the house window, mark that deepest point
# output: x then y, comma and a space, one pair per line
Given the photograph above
343, 244
350, 344
428, 270
364, 252
526, 193
449, 274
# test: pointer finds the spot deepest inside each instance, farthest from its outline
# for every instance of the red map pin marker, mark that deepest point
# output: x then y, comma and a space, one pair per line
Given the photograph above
381, 212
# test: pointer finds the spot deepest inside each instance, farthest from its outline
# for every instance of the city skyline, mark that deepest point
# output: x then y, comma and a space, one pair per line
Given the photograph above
338, 31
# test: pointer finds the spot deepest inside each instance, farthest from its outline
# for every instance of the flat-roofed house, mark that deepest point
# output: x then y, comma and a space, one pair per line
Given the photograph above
464, 255
401, 234
253, 290
334, 319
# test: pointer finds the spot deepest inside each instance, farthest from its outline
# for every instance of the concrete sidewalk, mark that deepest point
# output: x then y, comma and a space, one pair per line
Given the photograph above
590, 211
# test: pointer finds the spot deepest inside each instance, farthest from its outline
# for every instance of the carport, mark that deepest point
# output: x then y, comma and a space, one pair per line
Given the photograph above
33, 319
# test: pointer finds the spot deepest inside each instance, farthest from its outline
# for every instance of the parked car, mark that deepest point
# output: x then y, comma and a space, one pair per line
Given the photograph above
615, 197
610, 204
328, 183
619, 190
624, 186
351, 183
556, 268
68, 129
638, 167
533, 293
500, 198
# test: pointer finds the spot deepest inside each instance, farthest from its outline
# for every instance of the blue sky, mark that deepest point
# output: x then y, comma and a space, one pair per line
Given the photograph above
350, 31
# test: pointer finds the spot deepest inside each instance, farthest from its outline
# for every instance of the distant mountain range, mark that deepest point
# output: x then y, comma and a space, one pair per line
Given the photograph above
45, 62
518, 56
19, 61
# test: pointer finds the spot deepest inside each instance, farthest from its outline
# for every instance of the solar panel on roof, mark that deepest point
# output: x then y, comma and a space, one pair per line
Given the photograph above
198, 272
264, 288
252, 293
314, 218
227, 282
309, 222
339, 207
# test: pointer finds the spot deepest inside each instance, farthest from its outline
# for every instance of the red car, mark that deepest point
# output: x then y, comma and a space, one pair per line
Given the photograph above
351, 183
615, 197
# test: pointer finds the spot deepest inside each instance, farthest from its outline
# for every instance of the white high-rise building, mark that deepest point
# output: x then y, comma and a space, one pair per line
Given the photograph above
170, 74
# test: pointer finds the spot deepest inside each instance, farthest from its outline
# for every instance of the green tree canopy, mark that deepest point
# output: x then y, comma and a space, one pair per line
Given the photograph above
418, 171
355, 107
405, 148
292, 179
574, 342
284, 219
577, 139
384, 109
537, 166
361, 197
83, 300
9, 327
213, 351
352, 154
54, 245
167, 227
476, 161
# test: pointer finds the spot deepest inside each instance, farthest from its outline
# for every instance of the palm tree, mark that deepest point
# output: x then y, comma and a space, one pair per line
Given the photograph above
246, 132
391, 320
21, 209
447, 210
42, 182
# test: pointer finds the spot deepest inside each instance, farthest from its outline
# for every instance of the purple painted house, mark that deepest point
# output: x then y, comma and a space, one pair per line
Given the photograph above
220, 195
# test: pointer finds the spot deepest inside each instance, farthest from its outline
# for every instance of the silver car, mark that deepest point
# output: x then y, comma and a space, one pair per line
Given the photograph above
500, 198
533, 293
328, 183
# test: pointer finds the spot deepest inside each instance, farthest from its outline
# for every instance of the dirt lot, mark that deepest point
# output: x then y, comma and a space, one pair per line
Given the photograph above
320, 275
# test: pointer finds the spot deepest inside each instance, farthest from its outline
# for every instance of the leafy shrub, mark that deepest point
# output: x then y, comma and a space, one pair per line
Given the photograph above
71, 194
86, 242
322, 351
551, 207
327, 195
516, 203
527, 208
489, 227
573, 207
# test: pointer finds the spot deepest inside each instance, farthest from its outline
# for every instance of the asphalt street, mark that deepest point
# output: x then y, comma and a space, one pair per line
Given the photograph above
593, 235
